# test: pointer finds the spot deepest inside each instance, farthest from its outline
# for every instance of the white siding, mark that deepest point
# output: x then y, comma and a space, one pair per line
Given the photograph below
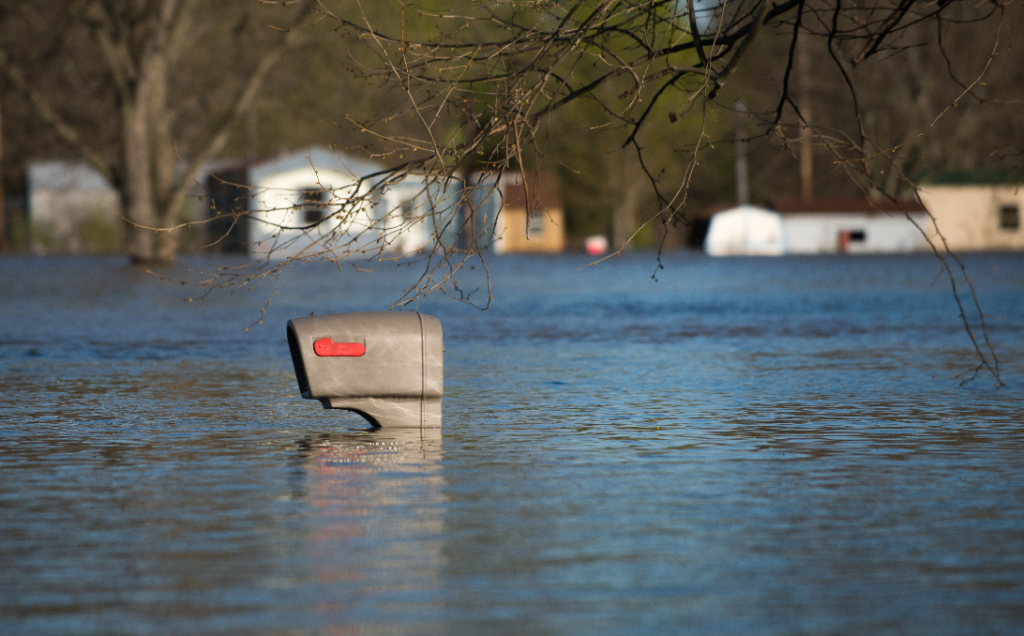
276, 227
822, 233
64, 196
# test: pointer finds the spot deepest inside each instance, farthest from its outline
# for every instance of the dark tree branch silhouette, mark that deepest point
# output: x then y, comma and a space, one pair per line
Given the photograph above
483, 90
138, 49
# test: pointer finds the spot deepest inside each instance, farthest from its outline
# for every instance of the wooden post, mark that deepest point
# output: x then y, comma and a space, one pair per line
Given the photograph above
3, 207
742, 176
803, 61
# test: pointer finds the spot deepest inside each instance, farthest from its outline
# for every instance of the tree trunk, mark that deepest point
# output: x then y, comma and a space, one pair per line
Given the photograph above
149, 189
806, 132
137, 190
141, 47
163, 162
628, 195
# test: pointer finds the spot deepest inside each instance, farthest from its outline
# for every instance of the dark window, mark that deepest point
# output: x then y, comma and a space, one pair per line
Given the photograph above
536, 226
858, 236
1009, 217
312, 206
408, 210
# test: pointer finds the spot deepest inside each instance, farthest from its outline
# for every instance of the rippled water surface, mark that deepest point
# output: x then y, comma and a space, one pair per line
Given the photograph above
747, 446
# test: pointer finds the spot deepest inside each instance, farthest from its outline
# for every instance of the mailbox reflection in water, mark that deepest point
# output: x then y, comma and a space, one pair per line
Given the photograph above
386, 366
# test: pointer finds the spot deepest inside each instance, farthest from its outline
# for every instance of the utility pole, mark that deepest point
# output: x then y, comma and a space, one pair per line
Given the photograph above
3, 207
803, 61
252, 130
742, 177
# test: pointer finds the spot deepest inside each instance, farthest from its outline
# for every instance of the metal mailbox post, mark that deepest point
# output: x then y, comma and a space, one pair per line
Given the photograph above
386, 366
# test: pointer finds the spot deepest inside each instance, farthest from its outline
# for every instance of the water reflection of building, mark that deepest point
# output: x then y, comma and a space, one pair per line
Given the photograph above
375, 512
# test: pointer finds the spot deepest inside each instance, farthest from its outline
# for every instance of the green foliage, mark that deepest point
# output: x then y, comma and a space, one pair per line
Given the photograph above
341, 89
190, 237
644, 237
100, 235
19, 235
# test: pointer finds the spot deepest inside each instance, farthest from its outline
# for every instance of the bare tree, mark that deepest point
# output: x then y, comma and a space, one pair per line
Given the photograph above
129, 56
490, 85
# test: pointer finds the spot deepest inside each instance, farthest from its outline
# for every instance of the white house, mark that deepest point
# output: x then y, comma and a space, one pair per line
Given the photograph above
323, 202
310, 202
64, 198
416, 211
854, 226
824, 226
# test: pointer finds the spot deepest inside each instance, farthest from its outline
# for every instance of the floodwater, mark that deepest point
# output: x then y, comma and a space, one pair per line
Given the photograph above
746, 446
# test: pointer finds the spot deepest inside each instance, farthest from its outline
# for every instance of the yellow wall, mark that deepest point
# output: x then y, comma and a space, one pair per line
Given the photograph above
547, 231
969, 215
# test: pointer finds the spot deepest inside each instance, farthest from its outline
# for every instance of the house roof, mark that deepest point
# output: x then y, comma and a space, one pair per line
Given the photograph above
543, 190
320, 158
847, 206
746, 210
992, 176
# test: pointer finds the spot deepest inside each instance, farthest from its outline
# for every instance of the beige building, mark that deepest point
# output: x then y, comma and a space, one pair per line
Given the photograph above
531, 219
976, 217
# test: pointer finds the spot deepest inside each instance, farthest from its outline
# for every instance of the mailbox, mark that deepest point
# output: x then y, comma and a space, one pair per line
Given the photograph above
386, 366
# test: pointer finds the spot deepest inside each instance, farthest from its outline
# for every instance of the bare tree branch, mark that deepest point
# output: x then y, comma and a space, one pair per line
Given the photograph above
60, 126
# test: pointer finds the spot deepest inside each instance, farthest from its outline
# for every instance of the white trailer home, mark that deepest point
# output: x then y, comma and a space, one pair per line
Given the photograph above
311, 202
851, 226
822, 226
416, 212
324, 203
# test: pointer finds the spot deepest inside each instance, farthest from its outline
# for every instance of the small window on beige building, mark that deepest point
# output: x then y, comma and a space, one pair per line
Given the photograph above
537, 224
1009, 217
